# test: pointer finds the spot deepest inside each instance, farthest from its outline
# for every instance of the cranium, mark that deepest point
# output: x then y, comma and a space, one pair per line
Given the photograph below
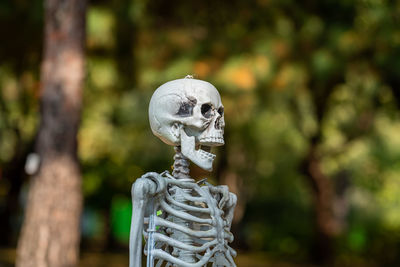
189, 113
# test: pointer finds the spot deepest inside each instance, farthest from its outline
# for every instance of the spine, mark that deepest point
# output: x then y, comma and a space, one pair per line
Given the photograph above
181, 172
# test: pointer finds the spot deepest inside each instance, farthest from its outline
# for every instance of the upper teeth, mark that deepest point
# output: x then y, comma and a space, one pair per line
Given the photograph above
213, 139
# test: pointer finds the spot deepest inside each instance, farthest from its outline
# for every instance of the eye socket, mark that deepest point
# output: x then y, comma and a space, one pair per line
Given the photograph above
221, 111
206, 110
185, 110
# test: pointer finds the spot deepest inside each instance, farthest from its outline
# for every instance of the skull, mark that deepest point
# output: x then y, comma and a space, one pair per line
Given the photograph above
189, 113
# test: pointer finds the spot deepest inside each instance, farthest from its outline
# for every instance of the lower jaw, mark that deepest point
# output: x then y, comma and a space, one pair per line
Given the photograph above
205, 152
201, 158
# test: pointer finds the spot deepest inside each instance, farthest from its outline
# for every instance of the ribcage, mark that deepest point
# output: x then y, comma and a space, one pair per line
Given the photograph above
186, 228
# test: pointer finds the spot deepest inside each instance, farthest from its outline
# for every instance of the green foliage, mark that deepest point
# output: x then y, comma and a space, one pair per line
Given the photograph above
121, 212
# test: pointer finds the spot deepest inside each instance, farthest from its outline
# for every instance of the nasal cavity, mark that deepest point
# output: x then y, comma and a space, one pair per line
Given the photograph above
217, 124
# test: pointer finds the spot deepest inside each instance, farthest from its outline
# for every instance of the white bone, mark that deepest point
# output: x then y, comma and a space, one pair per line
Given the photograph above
194, 228
198, 157
178, 244
142, 191
183, 215
185, 206
163, 255
150, 185
180, 228
178, 105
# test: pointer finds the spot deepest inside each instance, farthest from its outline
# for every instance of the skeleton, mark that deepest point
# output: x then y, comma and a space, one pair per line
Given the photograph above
184, 222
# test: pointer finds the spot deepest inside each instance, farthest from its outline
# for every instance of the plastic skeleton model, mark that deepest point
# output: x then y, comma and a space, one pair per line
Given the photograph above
185, 223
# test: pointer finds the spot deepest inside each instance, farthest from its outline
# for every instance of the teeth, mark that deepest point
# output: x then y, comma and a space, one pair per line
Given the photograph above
207, 155
212, 139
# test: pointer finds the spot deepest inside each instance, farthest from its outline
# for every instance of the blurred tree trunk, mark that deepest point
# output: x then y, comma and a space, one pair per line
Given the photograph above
327, 224
327, 199
50, 233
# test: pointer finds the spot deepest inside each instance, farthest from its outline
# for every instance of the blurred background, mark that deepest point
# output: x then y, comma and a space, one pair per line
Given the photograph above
311, 91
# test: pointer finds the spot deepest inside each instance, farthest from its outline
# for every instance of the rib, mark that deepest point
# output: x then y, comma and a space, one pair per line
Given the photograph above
165, 256
229, 257
159, 262
232, 251
184, 184
183, 215
187, 207
194, 199
183, 229
181, 245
